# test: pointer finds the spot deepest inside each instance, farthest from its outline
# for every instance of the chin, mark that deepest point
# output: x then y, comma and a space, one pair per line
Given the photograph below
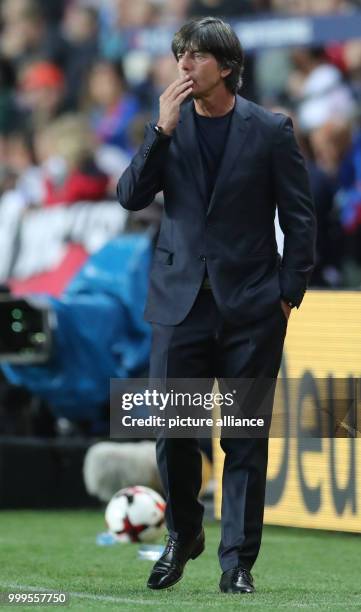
197, 95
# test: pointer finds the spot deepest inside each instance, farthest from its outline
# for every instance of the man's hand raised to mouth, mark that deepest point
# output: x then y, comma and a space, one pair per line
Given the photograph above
170, 101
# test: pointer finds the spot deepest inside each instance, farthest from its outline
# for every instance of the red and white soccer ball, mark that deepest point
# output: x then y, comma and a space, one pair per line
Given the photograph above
136, 514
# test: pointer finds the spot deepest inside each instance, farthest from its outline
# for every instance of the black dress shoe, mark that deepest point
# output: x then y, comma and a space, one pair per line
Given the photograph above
169, 568
237, 580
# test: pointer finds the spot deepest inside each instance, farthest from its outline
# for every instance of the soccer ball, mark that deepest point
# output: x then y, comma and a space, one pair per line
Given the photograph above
135, 514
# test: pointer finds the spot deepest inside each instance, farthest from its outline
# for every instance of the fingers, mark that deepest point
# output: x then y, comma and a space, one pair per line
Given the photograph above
178, 82
170, 101
182, 96
181, 89
176, 87
180, 92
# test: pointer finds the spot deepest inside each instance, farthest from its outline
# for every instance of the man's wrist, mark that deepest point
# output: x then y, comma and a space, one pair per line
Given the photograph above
161, 131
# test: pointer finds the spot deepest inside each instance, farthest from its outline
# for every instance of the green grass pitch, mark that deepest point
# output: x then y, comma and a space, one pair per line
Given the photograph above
301, 569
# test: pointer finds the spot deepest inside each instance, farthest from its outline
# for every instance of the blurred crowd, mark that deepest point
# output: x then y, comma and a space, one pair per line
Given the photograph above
75, 93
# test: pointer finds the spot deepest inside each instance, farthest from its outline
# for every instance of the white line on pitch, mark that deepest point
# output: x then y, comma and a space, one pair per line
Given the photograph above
91, 596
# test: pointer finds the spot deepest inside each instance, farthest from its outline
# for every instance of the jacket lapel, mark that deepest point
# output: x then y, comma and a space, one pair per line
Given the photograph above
238, 131
188, 141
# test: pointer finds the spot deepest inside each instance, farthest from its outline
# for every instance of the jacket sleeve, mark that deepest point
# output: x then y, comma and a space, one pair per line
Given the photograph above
142, 179
296, 213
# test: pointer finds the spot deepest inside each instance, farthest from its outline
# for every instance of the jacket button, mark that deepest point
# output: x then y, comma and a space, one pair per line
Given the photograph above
202, 257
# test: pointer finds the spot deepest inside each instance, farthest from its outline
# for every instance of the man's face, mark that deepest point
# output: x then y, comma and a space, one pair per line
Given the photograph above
205, 71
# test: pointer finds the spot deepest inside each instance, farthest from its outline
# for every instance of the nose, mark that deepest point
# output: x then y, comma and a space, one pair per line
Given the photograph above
185, 62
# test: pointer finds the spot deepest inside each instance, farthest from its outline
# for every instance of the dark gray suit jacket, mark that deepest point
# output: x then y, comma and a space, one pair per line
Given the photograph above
233, 234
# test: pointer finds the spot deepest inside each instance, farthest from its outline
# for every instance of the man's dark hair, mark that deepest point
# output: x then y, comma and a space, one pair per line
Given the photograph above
212, 35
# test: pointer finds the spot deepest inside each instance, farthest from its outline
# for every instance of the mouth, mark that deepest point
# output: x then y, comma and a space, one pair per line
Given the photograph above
190, 76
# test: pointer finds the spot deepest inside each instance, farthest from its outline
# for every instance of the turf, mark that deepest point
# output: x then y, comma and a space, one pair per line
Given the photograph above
56, 550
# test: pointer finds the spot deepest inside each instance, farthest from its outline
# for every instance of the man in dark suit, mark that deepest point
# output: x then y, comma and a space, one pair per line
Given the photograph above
220, 295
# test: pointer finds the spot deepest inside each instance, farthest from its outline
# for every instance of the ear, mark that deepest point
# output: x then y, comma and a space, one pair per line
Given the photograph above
225, 72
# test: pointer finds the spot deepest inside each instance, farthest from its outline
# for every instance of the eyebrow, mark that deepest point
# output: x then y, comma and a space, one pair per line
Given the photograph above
191, 51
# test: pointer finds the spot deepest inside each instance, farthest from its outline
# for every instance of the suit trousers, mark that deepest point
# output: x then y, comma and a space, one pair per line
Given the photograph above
205, 346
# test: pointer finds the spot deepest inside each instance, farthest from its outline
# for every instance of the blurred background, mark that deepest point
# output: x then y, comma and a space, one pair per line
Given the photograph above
78, 81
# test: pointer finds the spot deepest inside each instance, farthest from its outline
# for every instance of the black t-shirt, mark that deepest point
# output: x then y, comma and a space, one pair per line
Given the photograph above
212, 134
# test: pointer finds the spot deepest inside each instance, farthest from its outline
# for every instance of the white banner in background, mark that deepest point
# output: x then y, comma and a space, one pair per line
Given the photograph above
34, 241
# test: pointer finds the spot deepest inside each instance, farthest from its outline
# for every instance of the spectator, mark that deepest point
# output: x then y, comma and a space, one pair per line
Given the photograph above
352, 59
12, 10
26, 36
41, 93
328, 144
112, 107
71, 173
80, 29
22, 163
318, 89
323, 182
349, 201
125, 17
